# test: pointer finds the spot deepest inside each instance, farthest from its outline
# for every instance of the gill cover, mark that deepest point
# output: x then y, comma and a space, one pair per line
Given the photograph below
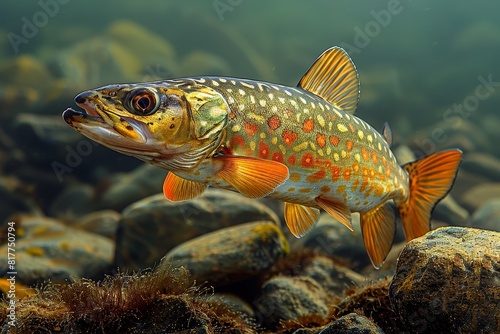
209, 112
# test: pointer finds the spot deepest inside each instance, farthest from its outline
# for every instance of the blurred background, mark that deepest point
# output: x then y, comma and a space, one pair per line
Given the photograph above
429, 69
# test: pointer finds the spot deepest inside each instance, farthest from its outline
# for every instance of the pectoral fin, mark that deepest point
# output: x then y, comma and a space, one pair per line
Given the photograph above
300, 219
252, 177
176, 188
339, 211
378, 227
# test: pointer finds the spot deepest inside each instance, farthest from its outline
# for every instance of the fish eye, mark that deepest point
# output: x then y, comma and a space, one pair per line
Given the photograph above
143, 102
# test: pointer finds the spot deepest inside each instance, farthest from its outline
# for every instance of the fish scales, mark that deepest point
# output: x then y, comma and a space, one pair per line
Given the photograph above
301, 145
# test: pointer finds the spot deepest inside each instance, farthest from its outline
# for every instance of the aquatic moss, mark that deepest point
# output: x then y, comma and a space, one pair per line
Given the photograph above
158, 301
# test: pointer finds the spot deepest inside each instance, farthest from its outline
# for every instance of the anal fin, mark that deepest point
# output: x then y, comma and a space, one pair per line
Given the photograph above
379, 228
252, 177
337, 210
176, 188
300, 219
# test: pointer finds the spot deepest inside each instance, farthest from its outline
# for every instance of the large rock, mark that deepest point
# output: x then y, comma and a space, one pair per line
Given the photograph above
448, 281
352, 324
231, 254
153, 226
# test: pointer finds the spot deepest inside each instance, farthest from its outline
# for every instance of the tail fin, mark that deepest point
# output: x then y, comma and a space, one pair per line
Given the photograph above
430, 180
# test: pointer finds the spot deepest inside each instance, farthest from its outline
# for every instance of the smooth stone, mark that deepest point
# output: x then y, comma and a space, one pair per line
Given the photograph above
487, 216
154, 225
230, 254
352, 324
49, 250
104, 222
289, 298
14, 201
483, 164
334, 239
75, 200
127, 188
480, 194
447, 281
449, 211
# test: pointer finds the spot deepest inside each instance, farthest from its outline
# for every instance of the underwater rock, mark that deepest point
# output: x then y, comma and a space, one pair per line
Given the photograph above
480, 194
47, 249
289, 298
352, 323
104, 222
482, 164
151, 227
127, 188
13, 199
230, 254
231, 302
487, 216
333, 238
447, 281
74, 201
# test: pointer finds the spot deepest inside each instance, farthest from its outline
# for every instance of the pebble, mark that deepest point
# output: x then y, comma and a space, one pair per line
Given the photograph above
153, 226
76, 200
479, 194
289, 298
448, 281
230, 254
352, 323
482, 164
487, 216
48, 250
104, 222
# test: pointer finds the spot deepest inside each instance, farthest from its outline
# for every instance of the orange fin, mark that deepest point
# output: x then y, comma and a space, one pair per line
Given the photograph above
387, 133
252, 177
430, 180
176, 188
300, 219
334, 78
379, 227
337, 210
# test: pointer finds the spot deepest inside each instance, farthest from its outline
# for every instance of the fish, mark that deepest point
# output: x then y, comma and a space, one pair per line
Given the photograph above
301, 145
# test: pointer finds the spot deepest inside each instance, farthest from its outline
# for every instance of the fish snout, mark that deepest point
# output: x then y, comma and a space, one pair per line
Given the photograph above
85, 97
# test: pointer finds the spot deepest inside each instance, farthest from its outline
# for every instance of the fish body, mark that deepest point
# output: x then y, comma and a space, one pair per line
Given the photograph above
301, 145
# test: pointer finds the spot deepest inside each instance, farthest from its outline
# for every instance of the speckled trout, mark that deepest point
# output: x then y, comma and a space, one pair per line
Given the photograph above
300, 145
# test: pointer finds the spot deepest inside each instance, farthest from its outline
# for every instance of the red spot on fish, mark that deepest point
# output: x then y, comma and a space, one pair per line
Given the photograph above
277, 156
263, 150
237, 141
321, 140
292, 159
318, 176
349, 145
355, 167
336, 170
308, 125
250, 129
289, 137
334, 140
307, 160
232, 114
347, 174
273, 122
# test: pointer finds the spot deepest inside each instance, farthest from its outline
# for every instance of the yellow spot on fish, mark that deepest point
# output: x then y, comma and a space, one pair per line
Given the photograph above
336, 156
247, 85
233, 82
341, 127
215, 83
302, 100
293, 103
274, 108
262, 135
337, 113
341, 189
252, 99
229, 90
313, 105
241, 91
287, 92
281, 99
252, 145
222, 80
357, 157
320, 152
256, 117
369, 138
380, 170
361, 134
241, 107
301, 147
321, 107
230, 100
236, 128
295, 177
328, 150
343, 154
282, 148
306, 111
274, 140
379, 146
271, 96
321, 120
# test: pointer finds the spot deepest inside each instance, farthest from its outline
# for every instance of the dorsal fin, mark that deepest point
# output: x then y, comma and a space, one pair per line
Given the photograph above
334, 78
387, 133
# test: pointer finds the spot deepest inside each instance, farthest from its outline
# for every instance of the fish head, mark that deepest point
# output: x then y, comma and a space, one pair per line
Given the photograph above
167, 123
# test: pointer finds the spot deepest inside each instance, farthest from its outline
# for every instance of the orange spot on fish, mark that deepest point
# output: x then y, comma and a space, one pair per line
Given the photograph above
237, 141
250, 129
355, 167
321, 140
273, 122
365, 154
336, 170
277, 156
349, 145
388, 172
307, 160
291, 160
364, 185
374, 158
289, 137
232, 114
318, 176
305, 190
355, 184
334, 140
347, 174
325, 189
308, 125
295, 177
384, 161
351, 127
263, 150
379, 190
341, 189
